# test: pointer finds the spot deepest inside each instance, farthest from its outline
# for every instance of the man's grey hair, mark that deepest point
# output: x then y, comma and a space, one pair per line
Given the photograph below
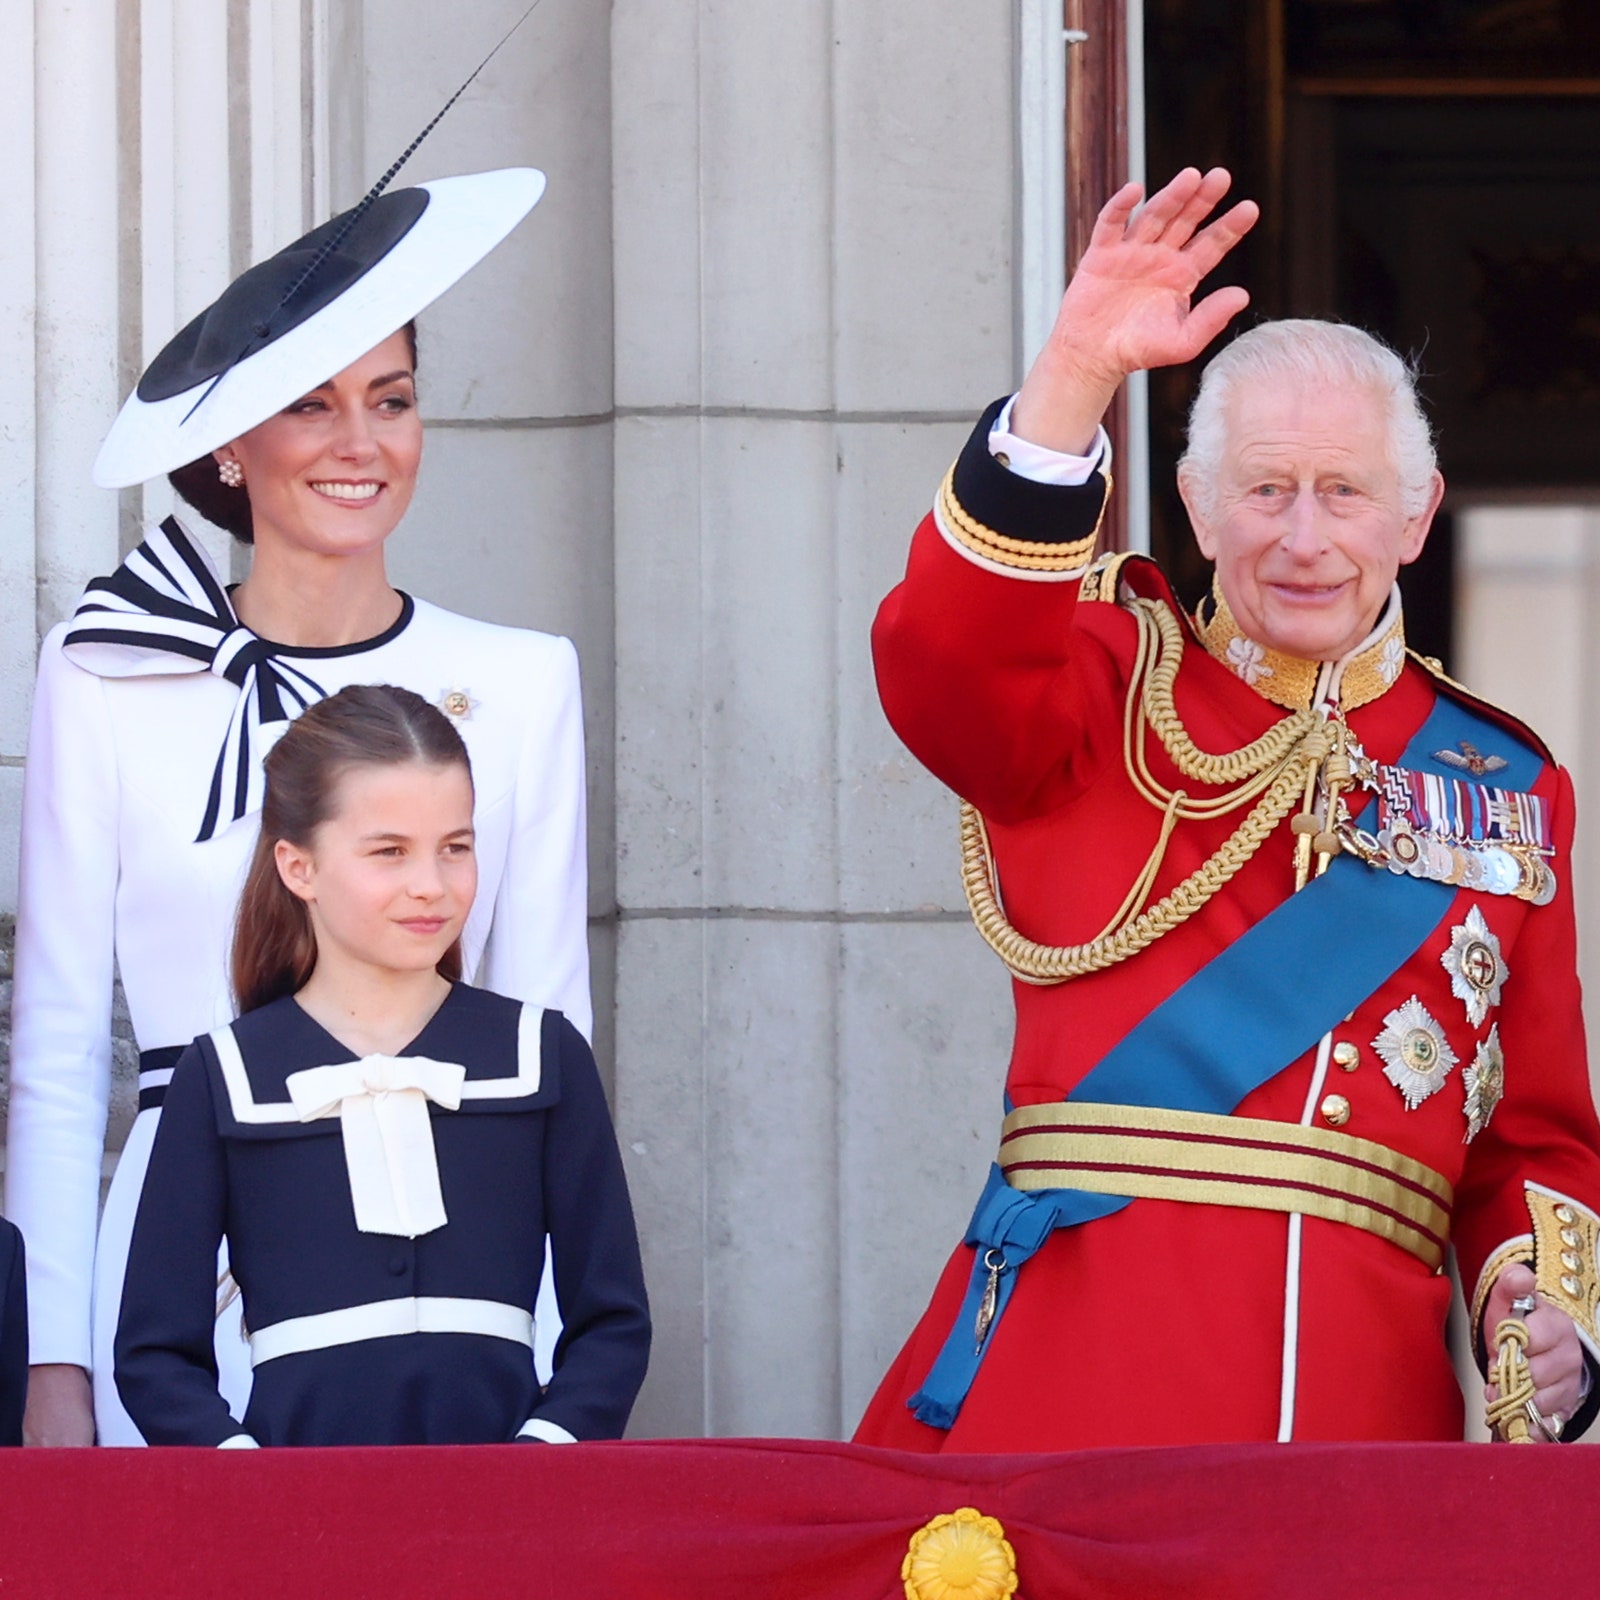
1313, 355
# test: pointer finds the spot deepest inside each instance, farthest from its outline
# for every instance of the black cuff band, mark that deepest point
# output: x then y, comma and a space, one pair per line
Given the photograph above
1017, 507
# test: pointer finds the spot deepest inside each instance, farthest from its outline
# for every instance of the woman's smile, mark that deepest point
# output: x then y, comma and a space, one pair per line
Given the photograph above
334, 472
362, 493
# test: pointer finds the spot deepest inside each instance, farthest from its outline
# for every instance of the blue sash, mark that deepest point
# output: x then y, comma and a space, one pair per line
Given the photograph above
1250, 1011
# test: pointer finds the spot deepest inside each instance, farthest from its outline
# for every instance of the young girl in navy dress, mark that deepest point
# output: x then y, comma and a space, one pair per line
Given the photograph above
384, 1147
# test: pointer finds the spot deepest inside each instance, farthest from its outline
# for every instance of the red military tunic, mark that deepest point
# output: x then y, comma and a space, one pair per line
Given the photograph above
1170, 1322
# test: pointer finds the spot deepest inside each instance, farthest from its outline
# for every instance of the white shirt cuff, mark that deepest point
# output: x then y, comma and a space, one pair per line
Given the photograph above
1036, 463
549, 1432
239, 1441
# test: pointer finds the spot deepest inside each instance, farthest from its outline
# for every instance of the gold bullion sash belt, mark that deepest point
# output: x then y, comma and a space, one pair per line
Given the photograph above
1205, 1159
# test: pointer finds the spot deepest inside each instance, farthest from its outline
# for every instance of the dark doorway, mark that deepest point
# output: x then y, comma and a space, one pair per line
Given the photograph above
1429, 169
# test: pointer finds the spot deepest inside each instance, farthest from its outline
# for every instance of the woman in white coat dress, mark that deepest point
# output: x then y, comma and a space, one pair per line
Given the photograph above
286, 412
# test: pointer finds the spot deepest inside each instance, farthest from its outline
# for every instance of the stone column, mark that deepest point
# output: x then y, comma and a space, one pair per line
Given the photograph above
19, 435
814, 215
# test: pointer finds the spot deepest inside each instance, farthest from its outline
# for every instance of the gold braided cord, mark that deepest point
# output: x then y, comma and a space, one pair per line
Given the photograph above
1508, 1411
1043, 963
1273, 771
1251, 769
1156, 698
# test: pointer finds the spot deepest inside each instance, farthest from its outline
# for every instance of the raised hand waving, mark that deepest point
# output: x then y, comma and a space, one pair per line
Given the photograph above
1130, 303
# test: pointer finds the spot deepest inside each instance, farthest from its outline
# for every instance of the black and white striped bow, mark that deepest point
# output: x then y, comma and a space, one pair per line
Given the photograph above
164, 610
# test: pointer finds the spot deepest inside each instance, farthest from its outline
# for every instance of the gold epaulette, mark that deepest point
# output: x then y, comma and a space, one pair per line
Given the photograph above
1102, 579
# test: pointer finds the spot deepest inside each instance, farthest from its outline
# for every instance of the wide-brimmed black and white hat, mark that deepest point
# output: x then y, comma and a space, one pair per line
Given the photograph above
293, 321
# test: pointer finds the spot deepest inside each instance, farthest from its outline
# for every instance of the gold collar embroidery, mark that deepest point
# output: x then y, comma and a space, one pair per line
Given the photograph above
1369, 671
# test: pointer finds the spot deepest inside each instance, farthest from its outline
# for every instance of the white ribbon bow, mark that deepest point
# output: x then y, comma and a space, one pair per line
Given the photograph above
382, 1106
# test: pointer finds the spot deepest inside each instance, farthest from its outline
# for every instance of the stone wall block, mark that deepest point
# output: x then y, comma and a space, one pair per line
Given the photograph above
528, 332
660, 1112
656, 205
766, 204
76, 223
772, 1314
661, 699
924, 168
18, 395
770, 608
897, 824
924, 1037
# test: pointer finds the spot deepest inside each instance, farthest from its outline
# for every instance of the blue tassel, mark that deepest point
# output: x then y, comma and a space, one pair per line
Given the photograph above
1017, 1224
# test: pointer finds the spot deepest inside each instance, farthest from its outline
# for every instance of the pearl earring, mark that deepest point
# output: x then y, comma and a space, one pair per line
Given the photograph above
231, 473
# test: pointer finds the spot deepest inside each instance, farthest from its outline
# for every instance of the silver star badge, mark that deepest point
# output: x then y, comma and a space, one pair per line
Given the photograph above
457, 703
1485, 1080
1416, 1055
1476, 967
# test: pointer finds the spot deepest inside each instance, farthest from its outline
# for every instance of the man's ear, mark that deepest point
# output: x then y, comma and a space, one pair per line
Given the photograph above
1415, 533
1189, 491
297, 870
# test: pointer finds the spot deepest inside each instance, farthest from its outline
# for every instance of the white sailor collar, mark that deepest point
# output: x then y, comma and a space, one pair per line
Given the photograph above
165, 611
1366, 673
255, 1057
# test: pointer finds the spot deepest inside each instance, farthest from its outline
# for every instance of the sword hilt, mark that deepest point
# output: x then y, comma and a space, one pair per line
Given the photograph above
1508, 1411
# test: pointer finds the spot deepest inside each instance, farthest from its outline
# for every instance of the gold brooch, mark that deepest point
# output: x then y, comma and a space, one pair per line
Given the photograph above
1476, 967
1416, 1055
457, 703
1486, 1082
962, 1556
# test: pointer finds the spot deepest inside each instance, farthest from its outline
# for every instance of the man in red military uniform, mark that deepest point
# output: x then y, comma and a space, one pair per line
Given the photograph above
1290, 914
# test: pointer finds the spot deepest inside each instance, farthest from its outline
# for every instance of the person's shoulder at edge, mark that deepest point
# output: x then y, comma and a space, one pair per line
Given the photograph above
1453, 689
52, 650
498, 639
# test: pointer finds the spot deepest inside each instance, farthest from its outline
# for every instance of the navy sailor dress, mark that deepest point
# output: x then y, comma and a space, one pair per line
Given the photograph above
369, 1337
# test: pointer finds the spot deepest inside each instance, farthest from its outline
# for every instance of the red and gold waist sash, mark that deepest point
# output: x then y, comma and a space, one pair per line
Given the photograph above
1204, 1159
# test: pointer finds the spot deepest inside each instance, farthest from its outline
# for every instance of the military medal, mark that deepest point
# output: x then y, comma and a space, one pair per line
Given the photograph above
1485, 1082
1416, 1055
1476, 967
1467, 835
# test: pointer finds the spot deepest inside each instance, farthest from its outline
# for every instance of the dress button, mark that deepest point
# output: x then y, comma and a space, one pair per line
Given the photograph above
397, 1265
1573, 1286
1564, 1214
1336, 1109
1346, 1056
